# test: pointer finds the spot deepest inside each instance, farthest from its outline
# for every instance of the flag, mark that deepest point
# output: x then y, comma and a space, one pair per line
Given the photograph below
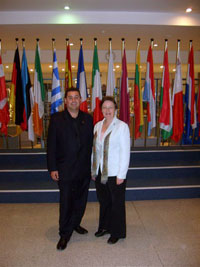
111, 76
20, 119
81, 81
68, 69
177, 101
197, 129
14, 84
4, 110
138, 104
149, 93
198, 110
39, 95
124, 113
56, 95
190, 108
28, 97
165, 100
96, 88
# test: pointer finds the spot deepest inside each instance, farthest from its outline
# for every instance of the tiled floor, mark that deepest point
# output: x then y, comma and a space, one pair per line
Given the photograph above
159, 233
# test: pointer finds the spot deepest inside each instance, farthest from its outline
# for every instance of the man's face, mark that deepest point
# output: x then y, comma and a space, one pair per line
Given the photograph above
73, 101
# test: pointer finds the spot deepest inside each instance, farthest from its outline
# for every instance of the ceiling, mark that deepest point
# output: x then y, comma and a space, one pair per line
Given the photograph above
176, 6
47, 31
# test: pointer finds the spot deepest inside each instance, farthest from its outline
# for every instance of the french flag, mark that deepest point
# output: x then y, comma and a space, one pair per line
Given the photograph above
190, 111
81, 81
149, 93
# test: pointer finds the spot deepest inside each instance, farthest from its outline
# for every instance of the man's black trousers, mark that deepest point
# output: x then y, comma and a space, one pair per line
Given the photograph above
73, 199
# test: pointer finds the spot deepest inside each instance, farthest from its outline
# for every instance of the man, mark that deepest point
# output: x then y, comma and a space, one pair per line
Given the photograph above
69, 147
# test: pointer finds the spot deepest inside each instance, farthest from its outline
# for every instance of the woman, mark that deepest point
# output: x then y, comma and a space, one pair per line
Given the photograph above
110, 161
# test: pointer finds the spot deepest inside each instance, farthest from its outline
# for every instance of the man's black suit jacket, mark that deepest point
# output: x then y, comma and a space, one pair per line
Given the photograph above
69, 145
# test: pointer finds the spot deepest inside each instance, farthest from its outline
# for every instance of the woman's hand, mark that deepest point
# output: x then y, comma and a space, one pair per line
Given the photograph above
94, 178
119, 181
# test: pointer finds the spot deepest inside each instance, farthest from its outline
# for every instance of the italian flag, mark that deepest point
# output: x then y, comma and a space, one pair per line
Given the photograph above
138, 105
165, 100
38, 108
96, 88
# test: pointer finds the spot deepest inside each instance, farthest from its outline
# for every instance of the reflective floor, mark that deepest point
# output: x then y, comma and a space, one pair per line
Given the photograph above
159, 233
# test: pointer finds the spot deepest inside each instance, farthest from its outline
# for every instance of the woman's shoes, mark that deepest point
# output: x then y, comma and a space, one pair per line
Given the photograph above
112, 240
101, 232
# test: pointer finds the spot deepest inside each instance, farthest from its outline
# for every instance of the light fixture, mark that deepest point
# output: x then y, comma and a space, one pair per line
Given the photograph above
31, 70
188, 10
71, 44
73, 66
117, 66
7, 67
155, 45
67, 8
113, 69
174, 70
50, 66
63, 69
161, 67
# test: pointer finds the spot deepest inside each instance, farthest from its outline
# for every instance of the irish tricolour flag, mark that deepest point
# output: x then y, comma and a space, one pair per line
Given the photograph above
96, 88
165, 100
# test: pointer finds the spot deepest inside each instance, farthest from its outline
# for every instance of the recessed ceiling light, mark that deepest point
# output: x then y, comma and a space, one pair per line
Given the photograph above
71, 44
155, 45
63, 69
31, 70
161, 67
174, 70
50, 66
7, 67
188, 10
73, 66
117, 66
113, 69
67, 8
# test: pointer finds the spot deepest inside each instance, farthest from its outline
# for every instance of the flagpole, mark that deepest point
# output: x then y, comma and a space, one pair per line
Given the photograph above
81, 41
53, 44
110, 43
152, 40
95, 41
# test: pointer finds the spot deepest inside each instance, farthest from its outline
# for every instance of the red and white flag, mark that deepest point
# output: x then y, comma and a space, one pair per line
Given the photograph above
4, 110
177, 101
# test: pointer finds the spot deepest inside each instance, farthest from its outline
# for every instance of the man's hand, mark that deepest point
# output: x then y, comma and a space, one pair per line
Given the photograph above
54, 175
119, 181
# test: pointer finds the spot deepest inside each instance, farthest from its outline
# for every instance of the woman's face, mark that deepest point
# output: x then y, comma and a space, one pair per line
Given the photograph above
108, 110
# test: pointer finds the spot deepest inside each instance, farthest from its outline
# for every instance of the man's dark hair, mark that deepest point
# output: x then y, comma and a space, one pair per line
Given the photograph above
72, 89
108, 98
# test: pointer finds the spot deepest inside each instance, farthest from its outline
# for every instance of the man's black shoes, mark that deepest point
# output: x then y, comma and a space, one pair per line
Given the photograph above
62, 243
112, 240
101, 232
80, 230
